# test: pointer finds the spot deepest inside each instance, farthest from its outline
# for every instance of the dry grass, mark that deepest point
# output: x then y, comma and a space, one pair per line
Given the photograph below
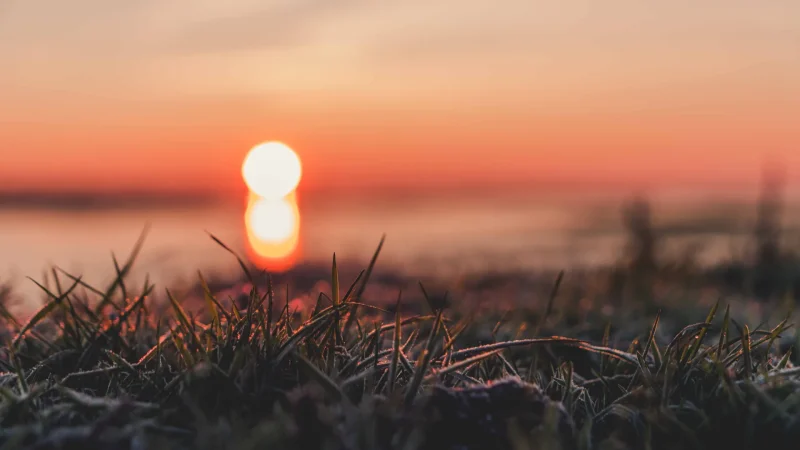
109, 369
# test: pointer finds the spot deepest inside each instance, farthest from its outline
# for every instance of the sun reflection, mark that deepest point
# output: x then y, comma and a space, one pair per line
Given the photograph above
271, 172
273, 231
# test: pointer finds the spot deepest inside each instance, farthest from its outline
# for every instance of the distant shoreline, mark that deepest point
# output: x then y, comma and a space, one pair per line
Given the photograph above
70, 200
101, 201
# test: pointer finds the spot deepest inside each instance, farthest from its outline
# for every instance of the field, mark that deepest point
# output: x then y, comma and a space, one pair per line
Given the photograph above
370, 366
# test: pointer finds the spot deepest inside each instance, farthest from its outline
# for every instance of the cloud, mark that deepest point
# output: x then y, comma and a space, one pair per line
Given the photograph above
443, 46
286, 24
475, 30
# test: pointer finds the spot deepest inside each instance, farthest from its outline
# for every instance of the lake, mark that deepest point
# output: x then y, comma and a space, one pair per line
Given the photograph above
441, 233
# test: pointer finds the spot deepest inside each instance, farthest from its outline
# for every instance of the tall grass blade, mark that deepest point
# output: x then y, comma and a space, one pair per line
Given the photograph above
363, 286
126, 268
699, 340
335, 282
241, 262
395, 345
747, 357
184, 320
550, 302
210, 304
651, 336
723, 334
424, 361
43, 311
308, 329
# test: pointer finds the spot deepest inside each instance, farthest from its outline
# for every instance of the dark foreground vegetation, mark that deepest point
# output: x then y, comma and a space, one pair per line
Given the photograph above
114, 368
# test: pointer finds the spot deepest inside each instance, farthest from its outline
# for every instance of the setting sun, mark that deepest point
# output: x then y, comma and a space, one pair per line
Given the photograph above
272, 170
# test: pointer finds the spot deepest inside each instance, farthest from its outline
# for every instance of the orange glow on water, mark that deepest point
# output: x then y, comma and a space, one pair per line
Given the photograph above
272, 227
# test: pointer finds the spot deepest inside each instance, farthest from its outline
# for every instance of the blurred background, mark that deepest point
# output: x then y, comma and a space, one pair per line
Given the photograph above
481, 139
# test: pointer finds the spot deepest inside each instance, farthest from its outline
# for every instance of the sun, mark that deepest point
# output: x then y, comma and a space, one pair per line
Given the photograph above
272, 170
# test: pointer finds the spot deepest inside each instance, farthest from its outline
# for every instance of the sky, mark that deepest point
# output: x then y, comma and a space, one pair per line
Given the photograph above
169, 95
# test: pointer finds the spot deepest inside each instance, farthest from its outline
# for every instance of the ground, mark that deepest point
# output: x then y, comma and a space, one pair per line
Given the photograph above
494, 364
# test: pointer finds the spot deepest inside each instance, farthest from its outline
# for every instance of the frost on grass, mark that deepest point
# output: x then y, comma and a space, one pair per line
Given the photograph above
110, 367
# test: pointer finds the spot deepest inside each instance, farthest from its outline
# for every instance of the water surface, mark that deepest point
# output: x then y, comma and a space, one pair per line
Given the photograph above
444, 234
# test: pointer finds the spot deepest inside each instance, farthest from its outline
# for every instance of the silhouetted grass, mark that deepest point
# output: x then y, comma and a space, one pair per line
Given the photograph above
111, 368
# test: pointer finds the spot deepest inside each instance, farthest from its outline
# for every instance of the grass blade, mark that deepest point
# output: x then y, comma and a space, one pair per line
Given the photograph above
241, 262
335, 282
550, 301
747, 357
363, 286
126, 268
323, 380
43, 312
395, 345
463, 363
699, 340
651, 336
424, 361
210, 304
184, 320
723, 335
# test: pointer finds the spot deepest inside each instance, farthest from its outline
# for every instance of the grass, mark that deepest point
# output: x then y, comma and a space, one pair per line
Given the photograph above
113, 367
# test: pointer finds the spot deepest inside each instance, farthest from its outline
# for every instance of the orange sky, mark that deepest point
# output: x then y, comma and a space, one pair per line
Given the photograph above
160, 95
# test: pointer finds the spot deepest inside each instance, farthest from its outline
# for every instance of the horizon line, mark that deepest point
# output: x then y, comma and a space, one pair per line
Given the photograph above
86, 200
